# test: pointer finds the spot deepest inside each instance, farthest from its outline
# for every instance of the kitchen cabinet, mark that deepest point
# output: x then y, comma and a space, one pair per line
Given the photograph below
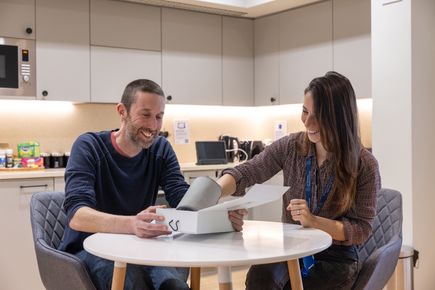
192, 57
305, 48
267, 60
113, 68
16, 238
352, 43
238, 61
62, 50
126, 25
59, 184
17, 18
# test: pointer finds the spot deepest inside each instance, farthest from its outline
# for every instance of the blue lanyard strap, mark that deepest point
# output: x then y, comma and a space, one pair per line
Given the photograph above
325, 193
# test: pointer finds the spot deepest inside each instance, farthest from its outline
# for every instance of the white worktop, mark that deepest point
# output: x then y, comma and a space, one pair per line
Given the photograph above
59, 172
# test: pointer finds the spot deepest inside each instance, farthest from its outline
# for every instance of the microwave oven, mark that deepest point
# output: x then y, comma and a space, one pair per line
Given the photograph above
17, 67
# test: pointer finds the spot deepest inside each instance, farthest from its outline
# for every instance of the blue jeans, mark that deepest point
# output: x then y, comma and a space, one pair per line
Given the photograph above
137, 276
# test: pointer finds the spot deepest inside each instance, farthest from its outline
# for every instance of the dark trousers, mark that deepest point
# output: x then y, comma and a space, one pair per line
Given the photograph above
336, 269
137, 276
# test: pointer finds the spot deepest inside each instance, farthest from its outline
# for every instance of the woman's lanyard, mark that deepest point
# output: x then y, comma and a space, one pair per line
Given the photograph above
325, 193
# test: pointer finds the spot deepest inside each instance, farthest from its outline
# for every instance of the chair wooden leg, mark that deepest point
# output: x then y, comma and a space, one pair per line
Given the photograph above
195, 278
295, 274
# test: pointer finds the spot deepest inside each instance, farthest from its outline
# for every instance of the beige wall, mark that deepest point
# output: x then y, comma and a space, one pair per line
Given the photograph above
56, 125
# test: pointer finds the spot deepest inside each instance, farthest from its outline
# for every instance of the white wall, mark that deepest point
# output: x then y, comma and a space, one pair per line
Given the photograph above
403, 72
423, 118
391, 91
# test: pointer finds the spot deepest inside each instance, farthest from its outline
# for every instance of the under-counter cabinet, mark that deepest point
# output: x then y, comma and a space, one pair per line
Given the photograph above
352, 43
305, 48
19, 269
192, 57
266, 60
62, 50
17, 18
238, 61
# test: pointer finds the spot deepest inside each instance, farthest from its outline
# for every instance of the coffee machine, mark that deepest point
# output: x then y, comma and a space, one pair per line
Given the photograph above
251, 148
231, 145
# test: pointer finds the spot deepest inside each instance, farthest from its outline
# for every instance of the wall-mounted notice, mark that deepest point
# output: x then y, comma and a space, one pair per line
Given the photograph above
280, 129
181, 132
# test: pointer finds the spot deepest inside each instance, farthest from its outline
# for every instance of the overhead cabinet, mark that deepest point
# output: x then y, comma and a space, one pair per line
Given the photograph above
305, 49
267, 60
238, 61
192, 57
62, 50
352, 43
113, 68
126, 25
17, 18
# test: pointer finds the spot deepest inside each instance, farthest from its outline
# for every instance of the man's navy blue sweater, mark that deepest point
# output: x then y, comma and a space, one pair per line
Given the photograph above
99, 177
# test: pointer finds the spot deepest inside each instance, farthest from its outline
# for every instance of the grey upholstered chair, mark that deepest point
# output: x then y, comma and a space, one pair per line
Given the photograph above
379, 254
58, 270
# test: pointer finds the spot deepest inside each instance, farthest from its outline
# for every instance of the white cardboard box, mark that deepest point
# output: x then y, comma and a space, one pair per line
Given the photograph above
214, 219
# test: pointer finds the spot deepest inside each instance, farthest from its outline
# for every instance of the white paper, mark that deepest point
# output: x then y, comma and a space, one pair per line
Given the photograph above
181, 132
258, 194
280, 129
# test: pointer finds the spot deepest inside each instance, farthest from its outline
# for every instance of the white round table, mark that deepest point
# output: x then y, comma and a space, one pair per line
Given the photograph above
259, 243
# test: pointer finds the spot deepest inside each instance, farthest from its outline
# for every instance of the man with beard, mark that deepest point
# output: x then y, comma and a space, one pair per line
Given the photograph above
112, 180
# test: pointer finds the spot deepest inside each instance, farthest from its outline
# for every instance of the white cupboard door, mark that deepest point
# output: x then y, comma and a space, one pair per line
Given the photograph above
17, 18
352, 44
306, 48
238, 61
62, 50
123, 24
192, 57
113, 68
267, 61
18, 266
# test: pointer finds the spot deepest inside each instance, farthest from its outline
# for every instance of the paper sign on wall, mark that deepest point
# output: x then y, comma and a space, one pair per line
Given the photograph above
280, 129
181, 132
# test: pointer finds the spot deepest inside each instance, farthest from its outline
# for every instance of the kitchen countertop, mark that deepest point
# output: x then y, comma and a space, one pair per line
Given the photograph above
59, 172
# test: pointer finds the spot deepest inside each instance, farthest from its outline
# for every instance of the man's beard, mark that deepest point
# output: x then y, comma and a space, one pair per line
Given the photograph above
134, 134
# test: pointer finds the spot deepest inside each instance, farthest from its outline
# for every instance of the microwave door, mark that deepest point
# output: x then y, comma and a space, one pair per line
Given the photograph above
9, 66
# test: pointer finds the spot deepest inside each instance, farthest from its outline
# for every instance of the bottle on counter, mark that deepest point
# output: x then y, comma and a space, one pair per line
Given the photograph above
2, 159
65, 158
9, 158
46, 159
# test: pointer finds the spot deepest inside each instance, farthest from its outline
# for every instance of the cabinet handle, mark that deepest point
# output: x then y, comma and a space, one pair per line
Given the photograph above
29, 30
44, 93
33, 186
169, 98
272, 100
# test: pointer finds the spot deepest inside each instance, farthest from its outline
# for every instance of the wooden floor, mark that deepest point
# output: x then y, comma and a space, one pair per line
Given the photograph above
209, 280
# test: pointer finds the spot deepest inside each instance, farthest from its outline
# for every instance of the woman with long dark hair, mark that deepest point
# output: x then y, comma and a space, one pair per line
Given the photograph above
333, 183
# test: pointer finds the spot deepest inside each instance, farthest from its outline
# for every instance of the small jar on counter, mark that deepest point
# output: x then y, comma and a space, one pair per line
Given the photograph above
56, 160
46, 159
66, 158
9, 158
2, 159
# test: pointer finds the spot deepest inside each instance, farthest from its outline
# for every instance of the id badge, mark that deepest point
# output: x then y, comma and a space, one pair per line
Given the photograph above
308, 262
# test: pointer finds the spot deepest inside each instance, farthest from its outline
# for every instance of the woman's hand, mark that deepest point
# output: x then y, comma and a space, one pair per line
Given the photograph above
300, 212
236, 218
143, 225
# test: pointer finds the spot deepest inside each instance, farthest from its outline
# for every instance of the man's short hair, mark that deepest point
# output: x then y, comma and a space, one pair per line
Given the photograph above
143, 85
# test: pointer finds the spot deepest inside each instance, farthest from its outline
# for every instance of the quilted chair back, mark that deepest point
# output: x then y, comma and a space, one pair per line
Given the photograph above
379, 254
57, 269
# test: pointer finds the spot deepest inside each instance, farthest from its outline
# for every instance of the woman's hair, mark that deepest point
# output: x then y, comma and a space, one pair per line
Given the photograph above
337, 116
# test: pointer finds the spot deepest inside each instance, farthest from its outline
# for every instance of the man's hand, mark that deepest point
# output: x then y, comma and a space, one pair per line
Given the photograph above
142, 226
236, 218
